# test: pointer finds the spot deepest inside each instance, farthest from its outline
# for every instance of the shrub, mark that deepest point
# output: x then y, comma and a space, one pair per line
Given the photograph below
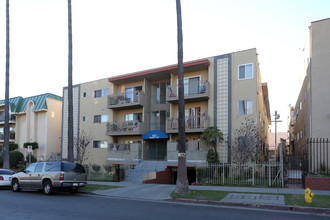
108, 168
212, 156
200, 175
34, 145
13, 146
96, 167
15, 159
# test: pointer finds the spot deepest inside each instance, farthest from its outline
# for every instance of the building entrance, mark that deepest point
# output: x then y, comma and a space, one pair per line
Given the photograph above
158, 150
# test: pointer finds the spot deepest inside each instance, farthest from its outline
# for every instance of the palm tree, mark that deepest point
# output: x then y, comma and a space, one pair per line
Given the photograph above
70, 96
182, 181
6, 128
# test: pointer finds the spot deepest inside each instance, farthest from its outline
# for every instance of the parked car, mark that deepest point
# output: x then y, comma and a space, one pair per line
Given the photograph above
50, 176
5, 177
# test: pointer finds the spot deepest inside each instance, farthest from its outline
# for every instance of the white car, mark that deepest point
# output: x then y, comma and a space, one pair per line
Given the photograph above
5, 177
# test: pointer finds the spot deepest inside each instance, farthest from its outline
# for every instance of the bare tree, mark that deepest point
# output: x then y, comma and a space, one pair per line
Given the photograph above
182, 180
6, 164
246, 143
70, 95
82, 146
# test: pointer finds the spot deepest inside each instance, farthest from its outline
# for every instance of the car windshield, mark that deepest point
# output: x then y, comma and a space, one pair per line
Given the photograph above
6, 172
74, 167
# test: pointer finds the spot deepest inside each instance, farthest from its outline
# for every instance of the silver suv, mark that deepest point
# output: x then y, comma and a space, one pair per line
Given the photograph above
49, 176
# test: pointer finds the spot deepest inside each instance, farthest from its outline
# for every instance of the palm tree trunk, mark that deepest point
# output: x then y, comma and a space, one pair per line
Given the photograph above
70, 96
182, 181
6, 164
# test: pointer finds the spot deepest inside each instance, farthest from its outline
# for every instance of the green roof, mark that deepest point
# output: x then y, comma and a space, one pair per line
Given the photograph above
19, 104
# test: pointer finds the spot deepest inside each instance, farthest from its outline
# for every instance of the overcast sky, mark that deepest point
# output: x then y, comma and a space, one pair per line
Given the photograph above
112, 37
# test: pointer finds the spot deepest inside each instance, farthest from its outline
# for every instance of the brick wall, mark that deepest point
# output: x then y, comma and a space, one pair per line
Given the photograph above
321, 183
163, 177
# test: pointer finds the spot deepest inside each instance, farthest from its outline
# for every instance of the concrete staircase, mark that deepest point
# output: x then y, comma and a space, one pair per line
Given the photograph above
137, 174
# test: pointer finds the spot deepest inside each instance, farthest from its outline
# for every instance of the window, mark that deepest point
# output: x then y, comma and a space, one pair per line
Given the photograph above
101, 93
245, 107
31, 167
158, 93
245, 71
300, 105
86, 94
191, 85
100, 144
133, 117
85, 118
39, 167
158, 120
101, 118
131, 94
53, 166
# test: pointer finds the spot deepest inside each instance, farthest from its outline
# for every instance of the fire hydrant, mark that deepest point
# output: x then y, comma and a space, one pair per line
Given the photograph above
308, 195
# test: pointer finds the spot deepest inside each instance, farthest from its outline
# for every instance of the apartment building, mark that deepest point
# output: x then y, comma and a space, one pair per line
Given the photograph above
34, 119
311, 111
134, 117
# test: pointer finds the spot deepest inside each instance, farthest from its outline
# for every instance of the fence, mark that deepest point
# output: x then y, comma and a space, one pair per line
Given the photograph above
108, 173
265, 174
319, 155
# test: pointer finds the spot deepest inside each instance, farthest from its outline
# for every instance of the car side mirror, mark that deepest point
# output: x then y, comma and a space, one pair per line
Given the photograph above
22, 170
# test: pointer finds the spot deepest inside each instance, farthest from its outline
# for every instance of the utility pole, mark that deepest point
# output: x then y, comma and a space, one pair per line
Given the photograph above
277, 116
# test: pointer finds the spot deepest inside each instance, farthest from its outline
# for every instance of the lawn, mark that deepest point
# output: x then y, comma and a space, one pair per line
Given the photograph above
293, 200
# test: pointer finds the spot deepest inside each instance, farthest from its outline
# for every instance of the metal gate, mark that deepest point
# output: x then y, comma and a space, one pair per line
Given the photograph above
295, 169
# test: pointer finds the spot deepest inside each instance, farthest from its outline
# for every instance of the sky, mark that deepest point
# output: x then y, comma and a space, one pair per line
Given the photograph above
112, 37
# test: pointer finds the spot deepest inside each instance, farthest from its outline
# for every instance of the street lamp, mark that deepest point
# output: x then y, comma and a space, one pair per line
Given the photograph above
277, 116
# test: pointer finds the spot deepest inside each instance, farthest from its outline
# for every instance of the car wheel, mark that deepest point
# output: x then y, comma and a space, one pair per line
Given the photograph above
47, 188
15, 185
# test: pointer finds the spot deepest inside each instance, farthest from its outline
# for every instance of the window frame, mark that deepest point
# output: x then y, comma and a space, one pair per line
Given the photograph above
246, 108
246, 64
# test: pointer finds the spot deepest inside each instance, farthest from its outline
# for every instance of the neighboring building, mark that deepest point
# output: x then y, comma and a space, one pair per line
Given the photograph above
311, 113
274, 151
134, 117
34, 119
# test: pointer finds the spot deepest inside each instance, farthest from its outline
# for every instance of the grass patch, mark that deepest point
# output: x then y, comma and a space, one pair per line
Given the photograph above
320, 201
94, 187
202, 195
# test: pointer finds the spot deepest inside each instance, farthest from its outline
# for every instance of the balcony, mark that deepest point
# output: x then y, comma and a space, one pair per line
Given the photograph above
121, 128
193, 124
193, 92
12, 119
126, 100
124, 152
196, 151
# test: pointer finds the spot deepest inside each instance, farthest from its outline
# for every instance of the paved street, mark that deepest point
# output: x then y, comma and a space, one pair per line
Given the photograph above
34, 205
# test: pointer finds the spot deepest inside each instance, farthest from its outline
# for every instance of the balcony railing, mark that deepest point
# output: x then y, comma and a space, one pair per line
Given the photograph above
195, 151
126, 100
12, 119
124, 151
192, 123
198, 91
125, 128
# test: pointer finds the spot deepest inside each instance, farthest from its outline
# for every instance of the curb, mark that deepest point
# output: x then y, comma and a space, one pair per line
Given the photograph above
262, 206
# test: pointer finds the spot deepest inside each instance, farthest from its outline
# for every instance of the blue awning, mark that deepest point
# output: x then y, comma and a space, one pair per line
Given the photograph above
155, 134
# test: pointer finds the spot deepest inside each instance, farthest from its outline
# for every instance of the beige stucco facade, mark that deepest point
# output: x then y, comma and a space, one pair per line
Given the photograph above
311, 111
38, 119
146, 101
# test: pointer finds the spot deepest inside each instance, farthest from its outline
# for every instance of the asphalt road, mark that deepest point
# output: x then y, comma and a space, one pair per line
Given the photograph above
33, 205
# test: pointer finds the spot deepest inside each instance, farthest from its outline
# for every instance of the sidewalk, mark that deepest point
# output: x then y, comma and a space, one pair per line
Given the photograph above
162, 192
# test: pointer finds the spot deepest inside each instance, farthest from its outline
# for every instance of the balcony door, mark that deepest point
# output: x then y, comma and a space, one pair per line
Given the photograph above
191, 85
131, 94
193, 117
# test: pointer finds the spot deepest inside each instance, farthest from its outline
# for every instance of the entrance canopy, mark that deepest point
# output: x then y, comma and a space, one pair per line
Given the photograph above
155, 134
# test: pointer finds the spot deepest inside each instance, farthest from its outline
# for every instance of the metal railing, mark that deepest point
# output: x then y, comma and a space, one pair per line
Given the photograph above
192, 122
263, 174
126, 98
125, 127
318, 155
190, 89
